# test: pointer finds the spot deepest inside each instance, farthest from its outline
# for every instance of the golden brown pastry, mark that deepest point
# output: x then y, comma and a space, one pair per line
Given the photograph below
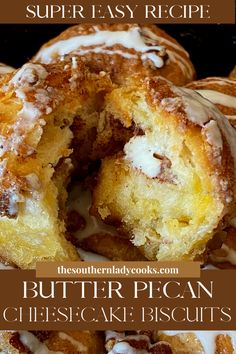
173, 184
96, 240
135, 342
123, 50
48, 342
220, 91
199, 342
38, 104
171, 342
5, 69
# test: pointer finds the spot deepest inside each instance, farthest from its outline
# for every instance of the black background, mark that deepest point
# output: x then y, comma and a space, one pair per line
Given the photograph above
212, 47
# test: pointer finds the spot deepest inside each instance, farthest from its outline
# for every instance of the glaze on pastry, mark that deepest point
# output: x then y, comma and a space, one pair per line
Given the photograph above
38, 104
122, 50
171, 342
51, 342
220, 91
173, 184
5, 69
200, 342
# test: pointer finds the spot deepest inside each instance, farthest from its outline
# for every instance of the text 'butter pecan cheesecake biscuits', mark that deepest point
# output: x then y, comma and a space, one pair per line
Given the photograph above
38, 104
171, 342
173, 184
220, 91
122, 50
51, 342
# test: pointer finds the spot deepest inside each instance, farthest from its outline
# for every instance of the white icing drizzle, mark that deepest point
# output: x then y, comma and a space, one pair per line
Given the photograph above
233, 222
24, 82
180, 60
81, 201
146, 31
157, 61
140, 152
213, 134
34, 344
30, 112
4, 69
120, 343
27, 74
77, 345
206, 338
91, 257
3, 165
103, 40
218, 98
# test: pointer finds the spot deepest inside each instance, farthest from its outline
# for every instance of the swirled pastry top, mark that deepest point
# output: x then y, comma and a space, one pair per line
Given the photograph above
173, 183
170, 342
38, 104
122, 50
220, 91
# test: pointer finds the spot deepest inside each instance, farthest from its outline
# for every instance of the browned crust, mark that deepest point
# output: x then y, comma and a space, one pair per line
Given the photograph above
122, 103
158, 89
222, 86
122, 69
60, 91
113, 247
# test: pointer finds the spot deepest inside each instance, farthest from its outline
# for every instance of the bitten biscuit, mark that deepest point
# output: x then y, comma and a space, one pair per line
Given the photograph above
173, 184
38, 104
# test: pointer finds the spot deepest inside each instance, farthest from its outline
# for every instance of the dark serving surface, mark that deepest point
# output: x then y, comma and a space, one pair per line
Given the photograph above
212, 47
